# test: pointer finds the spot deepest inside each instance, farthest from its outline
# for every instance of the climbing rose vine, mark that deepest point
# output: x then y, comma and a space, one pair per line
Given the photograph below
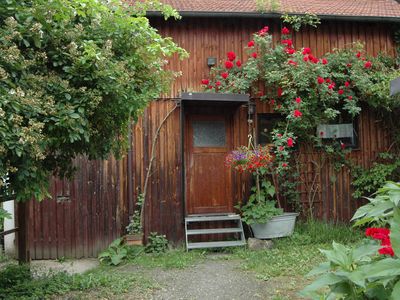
307, 90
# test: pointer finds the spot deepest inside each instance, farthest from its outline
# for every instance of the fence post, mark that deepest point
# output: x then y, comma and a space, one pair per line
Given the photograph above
23, 232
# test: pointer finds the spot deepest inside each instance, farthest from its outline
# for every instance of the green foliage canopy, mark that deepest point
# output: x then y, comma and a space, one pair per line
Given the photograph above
72, 75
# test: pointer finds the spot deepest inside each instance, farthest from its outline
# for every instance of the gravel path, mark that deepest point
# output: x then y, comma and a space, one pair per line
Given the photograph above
211, 279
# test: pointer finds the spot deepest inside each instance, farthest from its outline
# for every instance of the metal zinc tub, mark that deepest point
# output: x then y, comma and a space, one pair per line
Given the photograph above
278, 226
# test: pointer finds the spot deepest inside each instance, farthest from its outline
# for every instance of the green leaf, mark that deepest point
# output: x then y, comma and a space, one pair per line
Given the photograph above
395, 232
323, 281
321, 268
396, 291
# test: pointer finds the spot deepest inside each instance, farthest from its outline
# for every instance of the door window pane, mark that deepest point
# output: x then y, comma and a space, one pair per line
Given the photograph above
209, 134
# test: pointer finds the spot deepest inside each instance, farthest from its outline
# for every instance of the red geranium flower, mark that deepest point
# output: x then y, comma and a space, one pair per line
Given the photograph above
210, 87
291, 62
298, 100
284, 165
250, 44
386, 251
281, 148
331, 86
306, 51
272, 102
350, 97
290, 142
231, 55
340, 92
305, 58
218, 83
228, 64
324, 61
328, 80
224, 75
343, 146
285, 31
238, 63
347, 84
315, 60
205, 81
320, 80
349, 65
368, 65
297, 113
254, 54
358, 54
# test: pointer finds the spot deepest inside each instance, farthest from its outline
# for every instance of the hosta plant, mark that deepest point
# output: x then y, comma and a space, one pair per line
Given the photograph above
369, 271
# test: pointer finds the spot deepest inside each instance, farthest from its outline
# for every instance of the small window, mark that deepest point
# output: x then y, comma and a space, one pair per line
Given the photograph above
209, 133
265, 125
344, 130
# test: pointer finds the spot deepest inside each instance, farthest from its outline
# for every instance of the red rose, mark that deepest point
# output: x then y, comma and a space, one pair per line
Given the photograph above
254, 54
346, 84
368, 65
231, 55
320, 80
285, 31
290, 51
298, 100
340, 92
218, 83
250, 44
224, 75
205, 81
238, 63
280, 92
288, 43
290, 142
324, 61
297, 113
306, 51
263, 31
228, 64
358, 54
350, 97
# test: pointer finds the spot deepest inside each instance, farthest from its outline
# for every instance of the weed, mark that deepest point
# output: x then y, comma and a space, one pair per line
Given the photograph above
17, 282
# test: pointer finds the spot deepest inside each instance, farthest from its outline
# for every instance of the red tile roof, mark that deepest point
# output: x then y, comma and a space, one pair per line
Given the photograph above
350, 8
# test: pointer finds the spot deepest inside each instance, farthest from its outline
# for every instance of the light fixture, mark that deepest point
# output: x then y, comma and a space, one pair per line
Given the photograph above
211, 61
251, 108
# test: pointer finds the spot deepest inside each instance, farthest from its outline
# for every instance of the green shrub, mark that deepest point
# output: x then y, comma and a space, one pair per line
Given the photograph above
157, 243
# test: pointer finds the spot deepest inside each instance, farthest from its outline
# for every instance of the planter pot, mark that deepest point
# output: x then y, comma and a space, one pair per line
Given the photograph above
133, 239
278, 226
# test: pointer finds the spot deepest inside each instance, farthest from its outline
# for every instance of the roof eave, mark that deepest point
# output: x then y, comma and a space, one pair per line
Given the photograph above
213, 14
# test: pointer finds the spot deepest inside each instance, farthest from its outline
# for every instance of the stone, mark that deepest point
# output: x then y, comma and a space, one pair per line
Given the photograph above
256, 244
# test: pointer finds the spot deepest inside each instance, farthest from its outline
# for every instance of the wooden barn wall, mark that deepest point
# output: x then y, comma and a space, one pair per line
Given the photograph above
84, 215
97, 203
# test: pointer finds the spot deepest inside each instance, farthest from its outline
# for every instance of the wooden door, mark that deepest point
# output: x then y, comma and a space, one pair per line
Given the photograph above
208, 180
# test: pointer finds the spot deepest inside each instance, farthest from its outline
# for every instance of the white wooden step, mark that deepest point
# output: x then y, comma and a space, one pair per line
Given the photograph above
215, 244
212, 218
213, 231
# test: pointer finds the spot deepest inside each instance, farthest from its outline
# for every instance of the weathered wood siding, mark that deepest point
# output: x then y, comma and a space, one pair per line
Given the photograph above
84, 216
100, 196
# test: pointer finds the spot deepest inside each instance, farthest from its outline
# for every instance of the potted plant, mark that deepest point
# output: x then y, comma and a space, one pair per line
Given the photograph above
263, 211
134, 229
